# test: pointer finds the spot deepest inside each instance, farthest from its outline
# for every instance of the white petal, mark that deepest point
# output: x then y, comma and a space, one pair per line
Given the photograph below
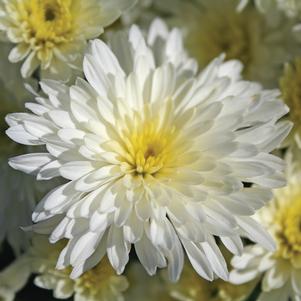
20, 135
117, 249
30, 163
198, 260
31, 63
233, 244
256, 232
149, 256
76, 169
84, 247
95, 76
215, 258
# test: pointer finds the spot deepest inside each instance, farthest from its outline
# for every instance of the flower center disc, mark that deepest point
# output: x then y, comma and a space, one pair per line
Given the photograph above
47, 23
49, 14
289, 234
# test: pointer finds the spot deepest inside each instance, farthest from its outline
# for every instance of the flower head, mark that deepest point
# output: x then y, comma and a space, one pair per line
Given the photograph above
52, 34
155, 156
98, 284
281, 269
213, 27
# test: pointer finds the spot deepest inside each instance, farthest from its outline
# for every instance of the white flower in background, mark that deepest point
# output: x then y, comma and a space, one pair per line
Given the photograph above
156, 156
292, 8
14, 277
261, 43
99, 284
52, 34
281, 269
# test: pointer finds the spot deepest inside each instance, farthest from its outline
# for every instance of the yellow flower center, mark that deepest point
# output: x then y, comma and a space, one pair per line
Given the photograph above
151, 143
150, 148
290, 84
46, 23
288, 232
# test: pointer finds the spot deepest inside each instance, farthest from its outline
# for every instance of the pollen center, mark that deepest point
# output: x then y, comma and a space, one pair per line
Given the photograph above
150, 148
49, 14
47, 24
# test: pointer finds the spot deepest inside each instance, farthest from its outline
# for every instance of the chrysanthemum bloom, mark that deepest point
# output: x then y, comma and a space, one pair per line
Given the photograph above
280, 270
155, 156
290, 86
52, 34
99, 284
212, 27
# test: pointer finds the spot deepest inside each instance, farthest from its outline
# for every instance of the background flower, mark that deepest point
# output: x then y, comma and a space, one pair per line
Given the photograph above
99, 284
281, 270
261, 43
52, 34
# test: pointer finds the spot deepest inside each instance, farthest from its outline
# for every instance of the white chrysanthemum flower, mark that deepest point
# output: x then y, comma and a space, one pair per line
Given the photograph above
281, 270
52, 34
261, 43
156, 156
99, 284
292, 8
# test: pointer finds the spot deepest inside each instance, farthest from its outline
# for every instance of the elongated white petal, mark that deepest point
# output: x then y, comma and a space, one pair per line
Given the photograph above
30, 163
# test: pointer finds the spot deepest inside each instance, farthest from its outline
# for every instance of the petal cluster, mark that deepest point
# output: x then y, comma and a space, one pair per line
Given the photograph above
281, 269
155, 156
98, 284
51, 35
